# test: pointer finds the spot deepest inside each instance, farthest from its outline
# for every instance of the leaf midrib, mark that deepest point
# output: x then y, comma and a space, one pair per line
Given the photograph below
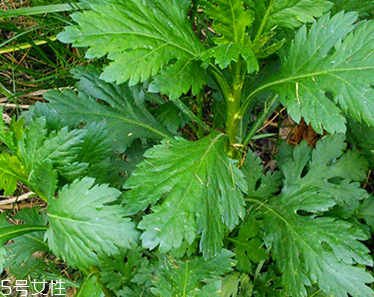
306, 75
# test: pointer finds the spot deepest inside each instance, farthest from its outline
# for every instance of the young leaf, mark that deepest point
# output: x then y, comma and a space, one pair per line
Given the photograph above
233, 41
308, 247
259, 185
117, 271
286, 13
230, 20
327, 71
82, 225
203, 189
194, 277
89, 288
10, 136
11, 171
146, 38
125, 114
248, 247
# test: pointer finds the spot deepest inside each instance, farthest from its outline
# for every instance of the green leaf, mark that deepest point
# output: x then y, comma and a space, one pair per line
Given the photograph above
82, 225
124, 113
24, 246
10, 136
11, 171
307, 246
230, 20
363, 7
286, 13
90, 288
362, 136
193, 278
9, 231
204, 193
237, 285
366, 212
117, 271
260, 185
169, 115
146, 38
39, 269
327, 71
248, 247
224, 54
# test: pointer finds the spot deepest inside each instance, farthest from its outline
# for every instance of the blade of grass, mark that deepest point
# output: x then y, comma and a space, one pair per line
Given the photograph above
22, 46
28, 11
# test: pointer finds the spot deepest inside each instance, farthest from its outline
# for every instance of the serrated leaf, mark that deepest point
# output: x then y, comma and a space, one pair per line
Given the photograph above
10, 136
146, 38
192, 278
308, 247
362, 136
179, 78
260, 185
82, 225
237, 285
248, 247
170, 116
11, 171
203, 189
328, 70
287, 13
9, 231
118, 271
39, 269
224, 54
90, 288
125, 114
230, 20
24, 246
366, 212
363, 7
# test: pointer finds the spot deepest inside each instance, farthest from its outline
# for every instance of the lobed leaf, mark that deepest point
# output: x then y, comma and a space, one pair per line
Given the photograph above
203, 193
124, 113
309, 247
286, 13
328, 70
82, 224
194, 277
143, 41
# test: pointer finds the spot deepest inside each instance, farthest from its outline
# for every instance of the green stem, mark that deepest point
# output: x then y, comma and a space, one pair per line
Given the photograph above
233, 101
199, 110
268, 109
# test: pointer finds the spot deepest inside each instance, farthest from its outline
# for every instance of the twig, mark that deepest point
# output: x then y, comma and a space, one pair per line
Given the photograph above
18, 199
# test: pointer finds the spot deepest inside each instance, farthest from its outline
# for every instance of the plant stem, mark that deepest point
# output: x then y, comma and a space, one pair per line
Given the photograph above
233, 101
268, 109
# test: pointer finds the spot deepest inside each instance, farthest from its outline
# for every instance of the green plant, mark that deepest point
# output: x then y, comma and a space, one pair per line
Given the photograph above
148, 197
